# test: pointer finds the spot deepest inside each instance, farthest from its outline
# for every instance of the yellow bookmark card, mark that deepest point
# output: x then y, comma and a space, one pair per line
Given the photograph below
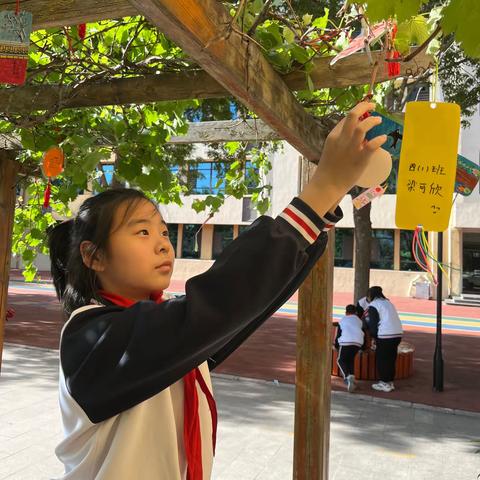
428, 163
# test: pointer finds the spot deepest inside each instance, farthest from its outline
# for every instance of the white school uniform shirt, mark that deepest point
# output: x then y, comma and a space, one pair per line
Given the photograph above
363, 302
351, 331
142, 443
390, 325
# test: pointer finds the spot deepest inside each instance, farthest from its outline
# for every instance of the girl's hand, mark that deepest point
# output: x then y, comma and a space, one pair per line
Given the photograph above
347, 153
345, 157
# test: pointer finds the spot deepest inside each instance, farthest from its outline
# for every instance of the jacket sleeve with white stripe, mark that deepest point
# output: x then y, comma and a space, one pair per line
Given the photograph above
114, 357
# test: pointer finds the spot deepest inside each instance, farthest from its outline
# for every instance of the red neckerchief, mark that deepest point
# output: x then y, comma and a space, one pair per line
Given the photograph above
192, 437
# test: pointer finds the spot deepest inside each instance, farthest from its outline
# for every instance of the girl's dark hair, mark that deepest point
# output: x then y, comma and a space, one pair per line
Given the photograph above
375, 292
76, 284
350, 309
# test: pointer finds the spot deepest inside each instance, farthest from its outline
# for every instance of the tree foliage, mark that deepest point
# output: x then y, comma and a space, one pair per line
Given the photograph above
134, 137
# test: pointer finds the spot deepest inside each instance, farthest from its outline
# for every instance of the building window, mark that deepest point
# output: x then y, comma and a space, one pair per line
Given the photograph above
407, 261
207, 177
344, 247
251, 176
249, 214
382, 249
173, 234
108, 171
191, 241
419, 93
471, 263
222, 236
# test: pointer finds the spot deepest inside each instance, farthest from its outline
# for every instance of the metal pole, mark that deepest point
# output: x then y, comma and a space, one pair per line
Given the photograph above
437, 357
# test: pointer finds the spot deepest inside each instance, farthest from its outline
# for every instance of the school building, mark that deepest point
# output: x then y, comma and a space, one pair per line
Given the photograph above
392, 265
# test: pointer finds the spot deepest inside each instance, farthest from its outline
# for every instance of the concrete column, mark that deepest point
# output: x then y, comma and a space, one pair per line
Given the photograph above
456, 255
207, 242
396, 249
179, 241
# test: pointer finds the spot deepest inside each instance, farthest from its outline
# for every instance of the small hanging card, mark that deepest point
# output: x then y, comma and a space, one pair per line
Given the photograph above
467, 177
366, 197
428, 162
15, 32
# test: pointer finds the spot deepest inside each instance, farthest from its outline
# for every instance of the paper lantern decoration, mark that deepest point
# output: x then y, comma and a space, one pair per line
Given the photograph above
52, 166
53, 160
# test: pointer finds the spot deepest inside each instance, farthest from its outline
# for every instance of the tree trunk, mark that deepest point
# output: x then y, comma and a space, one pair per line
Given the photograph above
8, 176
363, 237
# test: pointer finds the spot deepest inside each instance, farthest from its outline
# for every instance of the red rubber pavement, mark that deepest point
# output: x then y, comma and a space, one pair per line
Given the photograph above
270, 352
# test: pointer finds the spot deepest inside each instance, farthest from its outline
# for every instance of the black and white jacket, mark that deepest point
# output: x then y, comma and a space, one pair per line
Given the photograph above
383, 319
121, 369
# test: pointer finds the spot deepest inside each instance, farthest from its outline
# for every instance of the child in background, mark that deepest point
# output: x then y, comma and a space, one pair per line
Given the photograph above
386, 329
349, 340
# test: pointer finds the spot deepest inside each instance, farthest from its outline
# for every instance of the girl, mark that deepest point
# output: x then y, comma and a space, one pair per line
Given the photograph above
135, 391
349, 340
385, 327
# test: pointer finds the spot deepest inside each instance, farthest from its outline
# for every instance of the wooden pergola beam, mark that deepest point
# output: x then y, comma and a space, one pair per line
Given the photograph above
50, 14
353, 70
251, 130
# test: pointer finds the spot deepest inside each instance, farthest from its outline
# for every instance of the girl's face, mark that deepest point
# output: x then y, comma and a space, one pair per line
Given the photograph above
140, 256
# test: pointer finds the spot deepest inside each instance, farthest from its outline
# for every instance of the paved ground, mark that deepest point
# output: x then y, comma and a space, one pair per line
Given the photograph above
270, 353
369, 439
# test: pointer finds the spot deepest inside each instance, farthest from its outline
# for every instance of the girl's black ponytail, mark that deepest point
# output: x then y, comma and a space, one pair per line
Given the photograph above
59, 243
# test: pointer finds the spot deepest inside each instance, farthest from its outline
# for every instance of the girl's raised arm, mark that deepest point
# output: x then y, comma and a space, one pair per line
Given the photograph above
114, 358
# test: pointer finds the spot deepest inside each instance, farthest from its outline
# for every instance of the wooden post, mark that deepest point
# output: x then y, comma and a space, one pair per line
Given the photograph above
314, 349
8, 174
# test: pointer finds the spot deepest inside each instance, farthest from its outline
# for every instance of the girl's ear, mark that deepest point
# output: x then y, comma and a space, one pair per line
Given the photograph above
91, 258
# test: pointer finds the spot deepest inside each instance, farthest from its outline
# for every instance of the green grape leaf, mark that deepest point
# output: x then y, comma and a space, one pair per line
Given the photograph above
462, 18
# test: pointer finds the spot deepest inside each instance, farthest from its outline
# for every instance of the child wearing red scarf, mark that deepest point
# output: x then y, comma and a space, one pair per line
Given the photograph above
135, 391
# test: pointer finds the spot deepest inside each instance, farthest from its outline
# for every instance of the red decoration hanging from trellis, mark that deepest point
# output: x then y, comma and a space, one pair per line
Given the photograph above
52, 166
15, 29
393, 68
